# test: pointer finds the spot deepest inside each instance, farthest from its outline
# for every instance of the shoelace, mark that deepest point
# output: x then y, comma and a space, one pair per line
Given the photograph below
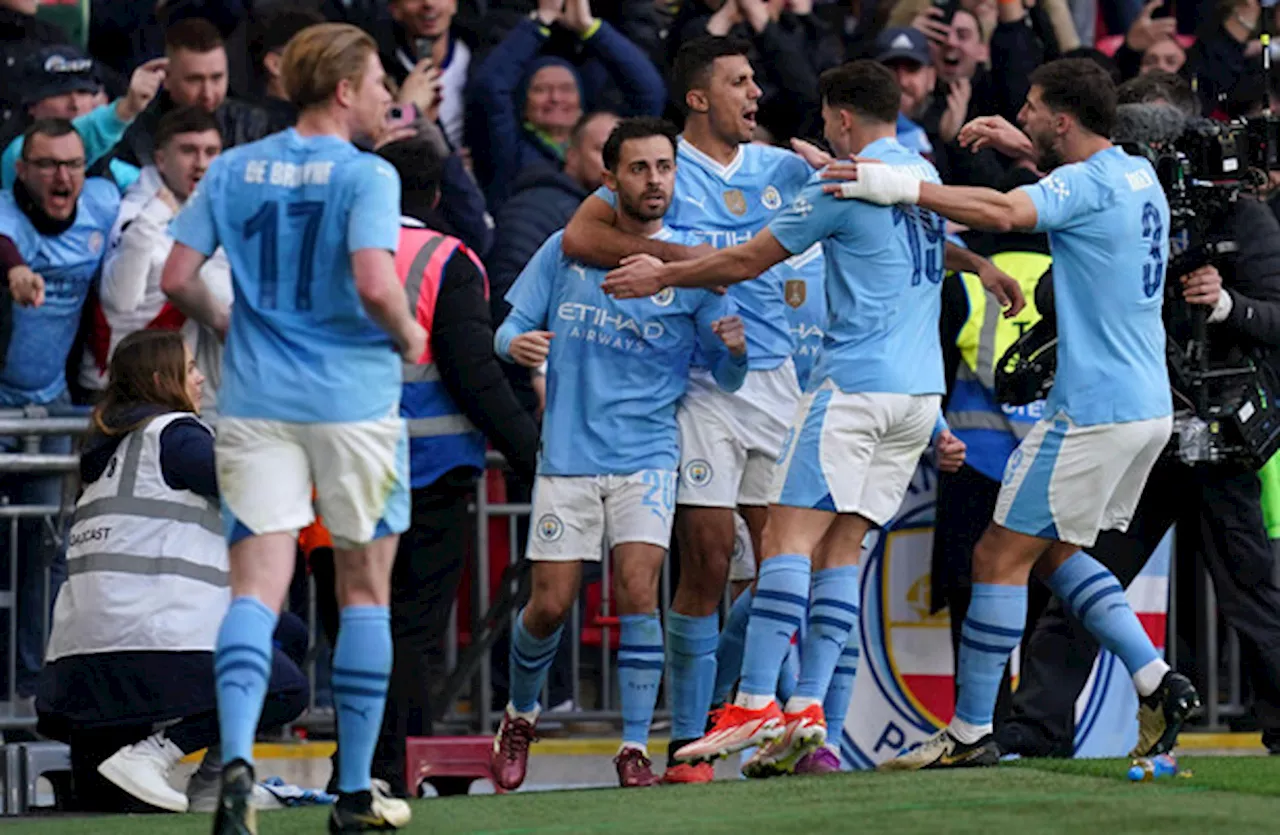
516, 738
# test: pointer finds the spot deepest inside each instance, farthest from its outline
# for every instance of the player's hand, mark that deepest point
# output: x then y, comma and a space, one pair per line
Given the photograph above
725, 18
732, 333
1146, 31
871, 181
950, 451
639, 276
1202, 286
167, 197
549, 11
812, 154
1004, 287
531, 349
26, 286
958, 95
143, 86
393, 133
413, 344
996, 132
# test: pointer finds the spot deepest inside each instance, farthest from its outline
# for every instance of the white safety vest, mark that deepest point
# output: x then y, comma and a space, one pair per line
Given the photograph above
147, 565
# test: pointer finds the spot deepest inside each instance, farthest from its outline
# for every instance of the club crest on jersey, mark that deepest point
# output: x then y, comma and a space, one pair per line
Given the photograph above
95, 242
664, 297
550, 528
771, 199
735, 201
698, 473
796, 292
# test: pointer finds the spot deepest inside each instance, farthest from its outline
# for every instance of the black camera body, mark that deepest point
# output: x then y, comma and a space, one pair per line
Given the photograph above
1224, 412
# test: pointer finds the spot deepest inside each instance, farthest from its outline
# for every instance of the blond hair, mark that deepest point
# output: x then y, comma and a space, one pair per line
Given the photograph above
319, 57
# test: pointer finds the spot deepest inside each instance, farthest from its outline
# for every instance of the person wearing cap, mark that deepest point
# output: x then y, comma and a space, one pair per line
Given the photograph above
61, 82
524, 104
905, 51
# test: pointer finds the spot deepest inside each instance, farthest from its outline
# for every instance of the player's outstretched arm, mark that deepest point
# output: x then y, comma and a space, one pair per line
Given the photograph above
384, 300
642, 275
1003, 286
592, 238
181, 282
977, 208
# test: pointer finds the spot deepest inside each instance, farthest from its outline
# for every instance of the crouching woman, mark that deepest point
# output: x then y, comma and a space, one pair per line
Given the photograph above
129, 682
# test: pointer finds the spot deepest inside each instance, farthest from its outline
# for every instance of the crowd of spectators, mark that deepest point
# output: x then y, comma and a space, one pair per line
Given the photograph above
515, 96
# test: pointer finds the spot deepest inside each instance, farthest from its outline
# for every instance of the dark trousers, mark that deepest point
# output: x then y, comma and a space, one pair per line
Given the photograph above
424, 583
287, 692
1219, 509
966, 502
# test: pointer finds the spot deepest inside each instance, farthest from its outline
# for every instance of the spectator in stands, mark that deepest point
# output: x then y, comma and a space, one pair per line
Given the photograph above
196, 76
543, 199
1220, 55
267, 39
21, 33
134, 627
905, 51
790, 47
422, 30
53, 230
129, 295
453, 399
60, 83
1149, 44
524, 104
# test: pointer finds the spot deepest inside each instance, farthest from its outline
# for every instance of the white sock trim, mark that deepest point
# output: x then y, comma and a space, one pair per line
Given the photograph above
968, 733
1147, 680
753, 702
798, 704
530, 716
636, 746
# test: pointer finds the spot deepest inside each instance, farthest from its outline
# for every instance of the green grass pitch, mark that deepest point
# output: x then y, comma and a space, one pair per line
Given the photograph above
1092, 796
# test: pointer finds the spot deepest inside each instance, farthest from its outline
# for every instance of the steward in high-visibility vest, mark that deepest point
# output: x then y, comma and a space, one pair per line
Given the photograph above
992, 431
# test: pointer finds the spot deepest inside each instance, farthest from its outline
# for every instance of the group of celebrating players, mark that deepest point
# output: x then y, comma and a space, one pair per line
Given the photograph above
663, 390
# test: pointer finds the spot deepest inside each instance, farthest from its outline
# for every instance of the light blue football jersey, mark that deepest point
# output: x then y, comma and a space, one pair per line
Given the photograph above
289, 211
1108, 225
617, 367
727, 205
804, 287
34, 369
884, 268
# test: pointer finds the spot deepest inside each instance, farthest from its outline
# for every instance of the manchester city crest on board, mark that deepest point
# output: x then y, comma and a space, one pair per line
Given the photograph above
795, 291
771, 199
735, 201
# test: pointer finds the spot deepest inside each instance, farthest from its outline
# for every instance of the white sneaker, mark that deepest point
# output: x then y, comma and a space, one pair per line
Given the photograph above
392, 809
142, 770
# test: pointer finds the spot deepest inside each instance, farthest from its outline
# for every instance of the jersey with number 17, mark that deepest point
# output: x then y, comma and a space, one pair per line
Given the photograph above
289, 210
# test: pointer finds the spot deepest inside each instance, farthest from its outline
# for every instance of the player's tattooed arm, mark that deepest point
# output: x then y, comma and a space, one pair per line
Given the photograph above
641, 275
592, 238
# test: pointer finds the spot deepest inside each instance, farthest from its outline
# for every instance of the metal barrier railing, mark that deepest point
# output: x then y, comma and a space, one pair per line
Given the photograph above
474, 676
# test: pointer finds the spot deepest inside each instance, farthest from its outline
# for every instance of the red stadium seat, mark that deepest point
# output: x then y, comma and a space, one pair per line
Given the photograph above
449, 763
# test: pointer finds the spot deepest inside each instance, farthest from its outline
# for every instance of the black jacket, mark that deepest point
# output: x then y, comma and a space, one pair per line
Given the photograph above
462, 346
240, 123
20, 35
542, 202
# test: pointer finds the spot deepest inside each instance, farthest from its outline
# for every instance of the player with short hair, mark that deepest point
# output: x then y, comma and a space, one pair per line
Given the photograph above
727, 190
1083, 467
310, 394
607, 470
870, 410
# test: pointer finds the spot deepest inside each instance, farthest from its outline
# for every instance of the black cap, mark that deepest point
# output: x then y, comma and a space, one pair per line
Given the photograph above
903, 43
57, 70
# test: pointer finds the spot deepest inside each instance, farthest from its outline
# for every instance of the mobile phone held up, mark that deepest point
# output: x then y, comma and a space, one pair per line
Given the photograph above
948, 8
423, 47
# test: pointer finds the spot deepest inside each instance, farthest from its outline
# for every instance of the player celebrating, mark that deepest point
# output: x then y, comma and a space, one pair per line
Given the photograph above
311, 387
607, 468
1084, 465
869, 411
726, 191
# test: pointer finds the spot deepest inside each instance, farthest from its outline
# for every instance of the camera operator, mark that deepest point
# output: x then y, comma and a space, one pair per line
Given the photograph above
1219, 503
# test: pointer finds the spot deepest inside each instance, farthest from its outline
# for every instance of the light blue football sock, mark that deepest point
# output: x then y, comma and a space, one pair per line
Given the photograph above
781, 599
1093, 594
242, 668
361, 672
833, 614
530, 660
691, 648
733, 637
640, 663
991, 631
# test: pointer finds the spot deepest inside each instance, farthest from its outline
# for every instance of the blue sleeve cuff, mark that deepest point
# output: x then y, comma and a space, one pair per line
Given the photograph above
730, 371
509, 330
939, 427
